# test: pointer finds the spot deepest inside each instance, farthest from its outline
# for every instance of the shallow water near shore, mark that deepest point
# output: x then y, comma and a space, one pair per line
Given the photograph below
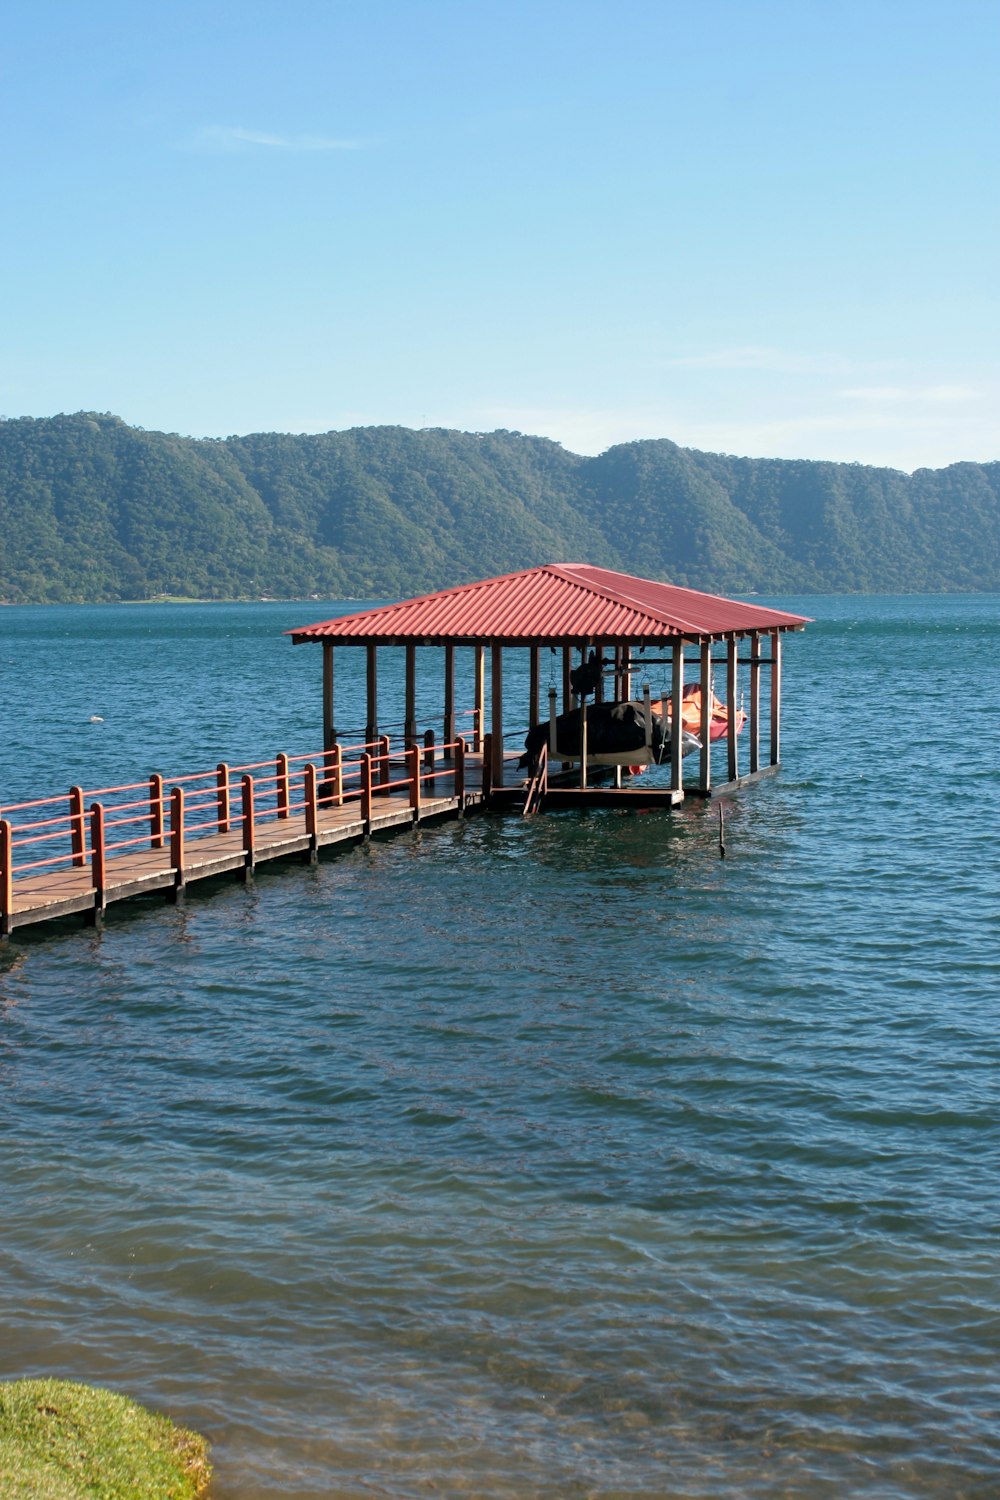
517, 1158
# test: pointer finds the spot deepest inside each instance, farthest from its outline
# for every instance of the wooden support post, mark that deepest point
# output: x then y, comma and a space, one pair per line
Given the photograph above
479, 707
312, 811
98, 873
334, 776
6, 876
583, 741
460, 773
583, 723
222, 796
249, 827
775, 699
410, 725
329, 730
534, 673
626, 673
704, 728
429, 751
282, 798
366, 792
553, 710
449, 701
732, 705
676, 719
156, 811
496, 715
647, 714
567, 691
754, 702
413, 772
177, 852
371, 676
599, 686
487, 767
383, 765
76, 831
618, 693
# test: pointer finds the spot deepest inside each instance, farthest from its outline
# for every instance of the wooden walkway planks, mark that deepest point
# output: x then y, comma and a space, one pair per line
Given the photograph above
47, 895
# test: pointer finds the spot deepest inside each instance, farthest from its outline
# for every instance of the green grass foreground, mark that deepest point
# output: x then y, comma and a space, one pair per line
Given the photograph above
60, 1441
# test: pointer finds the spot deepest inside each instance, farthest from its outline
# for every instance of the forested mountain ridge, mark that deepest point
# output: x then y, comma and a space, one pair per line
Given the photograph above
92, 509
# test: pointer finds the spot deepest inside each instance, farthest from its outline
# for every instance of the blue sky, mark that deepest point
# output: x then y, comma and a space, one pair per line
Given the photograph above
763, 227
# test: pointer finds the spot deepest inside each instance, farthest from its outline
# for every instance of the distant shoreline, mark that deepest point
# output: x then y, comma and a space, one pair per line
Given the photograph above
364, 599
181, 599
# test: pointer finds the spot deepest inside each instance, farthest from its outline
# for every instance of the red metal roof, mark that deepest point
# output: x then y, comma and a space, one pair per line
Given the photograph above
563, 602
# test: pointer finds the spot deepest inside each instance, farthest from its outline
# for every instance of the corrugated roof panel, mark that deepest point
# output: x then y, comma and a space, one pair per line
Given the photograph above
567, 602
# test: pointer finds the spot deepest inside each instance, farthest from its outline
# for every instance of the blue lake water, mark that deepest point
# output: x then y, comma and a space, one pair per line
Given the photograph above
514, 1158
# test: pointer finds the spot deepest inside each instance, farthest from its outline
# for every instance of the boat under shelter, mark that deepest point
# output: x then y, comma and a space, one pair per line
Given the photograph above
616, 625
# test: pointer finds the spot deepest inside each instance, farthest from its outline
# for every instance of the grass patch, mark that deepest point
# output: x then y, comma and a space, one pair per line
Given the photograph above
60, 1441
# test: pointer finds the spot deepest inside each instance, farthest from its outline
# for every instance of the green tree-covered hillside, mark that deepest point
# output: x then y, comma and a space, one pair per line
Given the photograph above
93, 509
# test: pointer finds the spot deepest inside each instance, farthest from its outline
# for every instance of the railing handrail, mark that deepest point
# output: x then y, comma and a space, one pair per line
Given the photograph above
345, 767
9, 807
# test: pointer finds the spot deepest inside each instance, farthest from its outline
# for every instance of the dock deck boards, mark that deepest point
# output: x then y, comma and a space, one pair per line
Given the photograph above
70, 890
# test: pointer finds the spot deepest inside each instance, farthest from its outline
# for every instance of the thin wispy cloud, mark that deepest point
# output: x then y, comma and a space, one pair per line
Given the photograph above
758, 357
237, 138
930, 395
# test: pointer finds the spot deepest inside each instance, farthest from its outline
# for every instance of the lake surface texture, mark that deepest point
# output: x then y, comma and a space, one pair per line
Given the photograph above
543, 1158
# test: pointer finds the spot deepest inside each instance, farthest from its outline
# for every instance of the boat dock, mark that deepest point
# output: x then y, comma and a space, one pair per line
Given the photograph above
81, 851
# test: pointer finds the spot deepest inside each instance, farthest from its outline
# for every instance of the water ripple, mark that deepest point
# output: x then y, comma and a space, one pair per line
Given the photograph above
554, 1157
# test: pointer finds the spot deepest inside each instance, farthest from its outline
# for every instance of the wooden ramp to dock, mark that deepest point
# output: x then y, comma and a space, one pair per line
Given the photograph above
226, 821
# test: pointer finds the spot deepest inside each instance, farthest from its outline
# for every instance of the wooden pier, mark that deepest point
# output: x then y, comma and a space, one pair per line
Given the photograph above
210, 824
79, 852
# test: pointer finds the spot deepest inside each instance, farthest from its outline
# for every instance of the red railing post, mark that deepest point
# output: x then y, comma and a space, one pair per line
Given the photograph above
249, 831
6, 877
97, 866
312, 809
177, 851
281, 787
156, 811
222, 795
338, 777
383, 764
460, 772
413, 772
333, 777
76, 833
366, 790
487, 766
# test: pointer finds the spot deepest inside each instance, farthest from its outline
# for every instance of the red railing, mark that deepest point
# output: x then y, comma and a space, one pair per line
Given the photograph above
82, 828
